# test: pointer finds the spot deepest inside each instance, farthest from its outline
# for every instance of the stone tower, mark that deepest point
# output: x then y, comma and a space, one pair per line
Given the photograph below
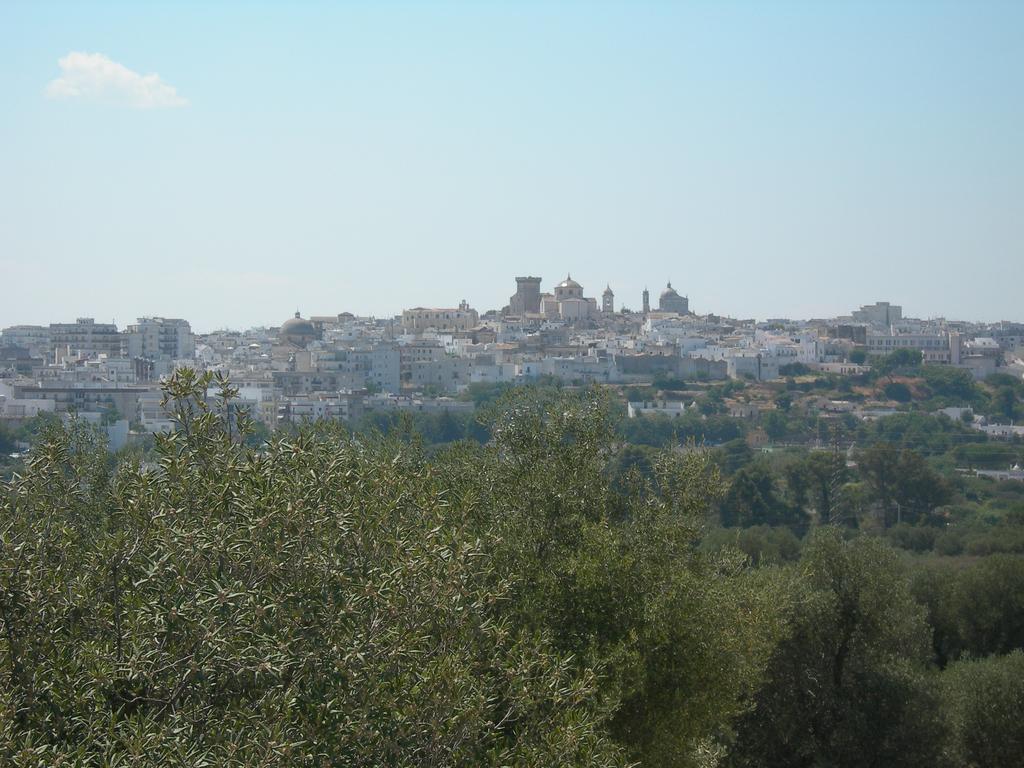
527, 296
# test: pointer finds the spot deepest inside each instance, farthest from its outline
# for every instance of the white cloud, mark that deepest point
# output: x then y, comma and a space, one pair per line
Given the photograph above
95, 77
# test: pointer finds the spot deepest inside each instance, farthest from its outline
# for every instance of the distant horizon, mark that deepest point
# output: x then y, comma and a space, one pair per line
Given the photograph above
226, 163
619, 305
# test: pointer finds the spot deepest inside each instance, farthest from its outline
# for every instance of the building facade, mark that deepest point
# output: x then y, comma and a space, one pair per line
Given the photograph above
526, 299
85, 337
568, 302
160, 338
419, 319
671, 301
881, 314
34, 338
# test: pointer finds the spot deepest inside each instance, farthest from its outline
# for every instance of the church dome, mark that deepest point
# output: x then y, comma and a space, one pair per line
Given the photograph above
671, 301
298, 330
569, 283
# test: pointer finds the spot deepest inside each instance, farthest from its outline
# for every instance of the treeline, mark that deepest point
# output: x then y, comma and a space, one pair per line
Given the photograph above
881, 486
330, 598
709, 423
1001, 398
930, 434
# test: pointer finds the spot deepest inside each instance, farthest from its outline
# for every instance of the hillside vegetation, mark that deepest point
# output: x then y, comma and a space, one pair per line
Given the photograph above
327, 598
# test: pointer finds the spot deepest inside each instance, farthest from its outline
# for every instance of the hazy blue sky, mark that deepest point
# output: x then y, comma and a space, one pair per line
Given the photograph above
772, 159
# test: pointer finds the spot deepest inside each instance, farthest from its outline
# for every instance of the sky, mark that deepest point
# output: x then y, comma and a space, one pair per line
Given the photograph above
231, 162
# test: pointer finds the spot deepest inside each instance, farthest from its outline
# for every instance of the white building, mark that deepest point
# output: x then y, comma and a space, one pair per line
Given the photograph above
419, 319
344, 406
881, 314
671, 408
843, 369
1002, 431
379, 365
14, 407
34, 338
933, 345
580, 369
752, 365
85, 337
161, 339
568, 302
153, 417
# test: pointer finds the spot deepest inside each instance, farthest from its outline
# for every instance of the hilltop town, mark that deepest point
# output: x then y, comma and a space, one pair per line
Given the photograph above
426, 359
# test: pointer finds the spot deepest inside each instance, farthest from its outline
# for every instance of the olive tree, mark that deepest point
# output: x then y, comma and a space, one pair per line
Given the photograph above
316, 602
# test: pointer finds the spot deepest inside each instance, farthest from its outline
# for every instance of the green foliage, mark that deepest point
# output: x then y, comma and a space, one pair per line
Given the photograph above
484, 393
794, 369
899, 360
1005, 380
987, 518
331, 599
7, 439
517, 587
919, 431
933, 584
847, 687
898, 391
614, 578
38, 426
983, 700
953, 384
997, 539
110, 415
668, 382
916, 538
775, 424
433, 429
663, 431
763, 544
825, 473
902, 483
1005, 403
990, 598
734, 455
976, 611
632, 462
259, 435
713, 401
754, 498
316, 603
989, 455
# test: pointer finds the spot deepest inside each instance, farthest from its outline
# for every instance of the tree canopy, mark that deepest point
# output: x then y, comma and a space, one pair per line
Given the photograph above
520, 589
352, 600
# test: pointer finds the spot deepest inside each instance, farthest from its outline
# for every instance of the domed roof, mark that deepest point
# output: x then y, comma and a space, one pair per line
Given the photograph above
298, 326
608, 291
669, 292
568, 283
